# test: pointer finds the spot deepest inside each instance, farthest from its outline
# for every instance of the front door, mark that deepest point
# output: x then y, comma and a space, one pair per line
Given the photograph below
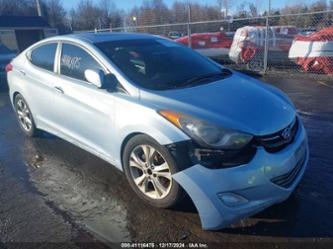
84, 112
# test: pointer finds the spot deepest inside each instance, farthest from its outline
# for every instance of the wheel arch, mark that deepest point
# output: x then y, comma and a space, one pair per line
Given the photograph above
177, 150
169, 157
15, 94
124, 143
13, 97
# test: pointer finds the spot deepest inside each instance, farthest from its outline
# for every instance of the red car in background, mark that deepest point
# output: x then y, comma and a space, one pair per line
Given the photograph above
214, 44
314, 52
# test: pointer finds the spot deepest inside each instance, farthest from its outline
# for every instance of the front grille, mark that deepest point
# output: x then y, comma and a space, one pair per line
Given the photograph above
286, 180
278, 141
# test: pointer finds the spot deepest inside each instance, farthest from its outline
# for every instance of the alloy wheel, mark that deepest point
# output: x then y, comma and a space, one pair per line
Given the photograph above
150, 172
24, 115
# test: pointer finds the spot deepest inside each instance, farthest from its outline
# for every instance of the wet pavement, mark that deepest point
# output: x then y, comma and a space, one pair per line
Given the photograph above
52, 191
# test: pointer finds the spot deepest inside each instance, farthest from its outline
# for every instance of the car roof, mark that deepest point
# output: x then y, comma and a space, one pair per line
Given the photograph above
104, 37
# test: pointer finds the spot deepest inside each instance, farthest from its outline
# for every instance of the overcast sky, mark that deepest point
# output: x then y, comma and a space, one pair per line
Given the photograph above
263, 4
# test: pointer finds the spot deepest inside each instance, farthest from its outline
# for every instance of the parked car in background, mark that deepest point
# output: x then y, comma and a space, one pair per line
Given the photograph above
230, 34
214, 45
314, 52
307, 31
6, 55
174, 35
249, 44
172, 120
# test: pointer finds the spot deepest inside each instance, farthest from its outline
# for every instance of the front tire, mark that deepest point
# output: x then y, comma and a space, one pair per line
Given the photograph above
149, 167
24, 116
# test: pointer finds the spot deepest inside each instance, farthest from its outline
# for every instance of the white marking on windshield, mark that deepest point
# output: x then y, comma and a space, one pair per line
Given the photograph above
71, 62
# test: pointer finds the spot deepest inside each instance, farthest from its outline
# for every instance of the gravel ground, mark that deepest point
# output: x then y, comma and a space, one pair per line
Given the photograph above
55, 194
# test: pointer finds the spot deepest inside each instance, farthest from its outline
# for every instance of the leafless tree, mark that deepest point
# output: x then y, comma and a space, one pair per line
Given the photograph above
179, 12
111, 16
224, 5
89, 15
17, 7
253, 9
55, 13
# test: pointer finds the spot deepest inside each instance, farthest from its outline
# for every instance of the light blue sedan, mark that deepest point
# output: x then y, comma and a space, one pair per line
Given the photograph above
172, 120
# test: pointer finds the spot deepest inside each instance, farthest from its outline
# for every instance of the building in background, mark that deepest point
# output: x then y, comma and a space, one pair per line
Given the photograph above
19, 32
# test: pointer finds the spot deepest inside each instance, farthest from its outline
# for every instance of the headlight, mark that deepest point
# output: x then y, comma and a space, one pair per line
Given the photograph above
207, 134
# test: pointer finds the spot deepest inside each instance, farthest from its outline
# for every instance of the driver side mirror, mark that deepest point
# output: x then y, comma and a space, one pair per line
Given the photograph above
110, 82
97, 78
94, 77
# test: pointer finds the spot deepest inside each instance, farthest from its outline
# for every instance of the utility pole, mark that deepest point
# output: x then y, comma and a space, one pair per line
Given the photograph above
226, 5
266, 37
189, 25
39, 9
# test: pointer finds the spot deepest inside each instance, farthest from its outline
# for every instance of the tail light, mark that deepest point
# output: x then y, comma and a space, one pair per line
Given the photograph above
9, 68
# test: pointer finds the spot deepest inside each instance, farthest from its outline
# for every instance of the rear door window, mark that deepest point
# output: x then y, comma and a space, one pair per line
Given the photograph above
43, 56
74, 61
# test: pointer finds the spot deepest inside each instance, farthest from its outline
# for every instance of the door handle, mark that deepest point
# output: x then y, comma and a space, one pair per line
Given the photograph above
22, 72
59, 89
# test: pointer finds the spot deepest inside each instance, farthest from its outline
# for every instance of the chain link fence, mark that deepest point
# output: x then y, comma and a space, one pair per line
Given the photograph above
300, 44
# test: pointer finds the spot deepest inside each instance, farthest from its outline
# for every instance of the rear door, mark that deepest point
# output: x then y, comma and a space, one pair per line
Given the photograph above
38, 75
83, 112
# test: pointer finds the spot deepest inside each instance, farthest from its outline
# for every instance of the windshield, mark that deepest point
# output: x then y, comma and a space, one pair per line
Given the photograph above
4, 50
159, 64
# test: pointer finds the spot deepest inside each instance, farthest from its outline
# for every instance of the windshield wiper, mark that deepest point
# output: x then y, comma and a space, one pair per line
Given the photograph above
198, 79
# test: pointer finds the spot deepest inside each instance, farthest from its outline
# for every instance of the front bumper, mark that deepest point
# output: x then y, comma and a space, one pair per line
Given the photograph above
251, 181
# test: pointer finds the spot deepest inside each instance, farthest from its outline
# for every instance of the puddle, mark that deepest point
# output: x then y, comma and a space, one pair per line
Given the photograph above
3, 99
97, 196
81, 196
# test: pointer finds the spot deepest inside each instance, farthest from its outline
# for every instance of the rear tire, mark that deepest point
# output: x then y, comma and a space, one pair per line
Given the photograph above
148, 168
24, 116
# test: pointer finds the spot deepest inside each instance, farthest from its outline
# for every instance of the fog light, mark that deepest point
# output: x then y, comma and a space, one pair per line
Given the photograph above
231, 199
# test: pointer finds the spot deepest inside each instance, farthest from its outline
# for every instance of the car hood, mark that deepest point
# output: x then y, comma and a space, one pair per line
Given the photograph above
238, 102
